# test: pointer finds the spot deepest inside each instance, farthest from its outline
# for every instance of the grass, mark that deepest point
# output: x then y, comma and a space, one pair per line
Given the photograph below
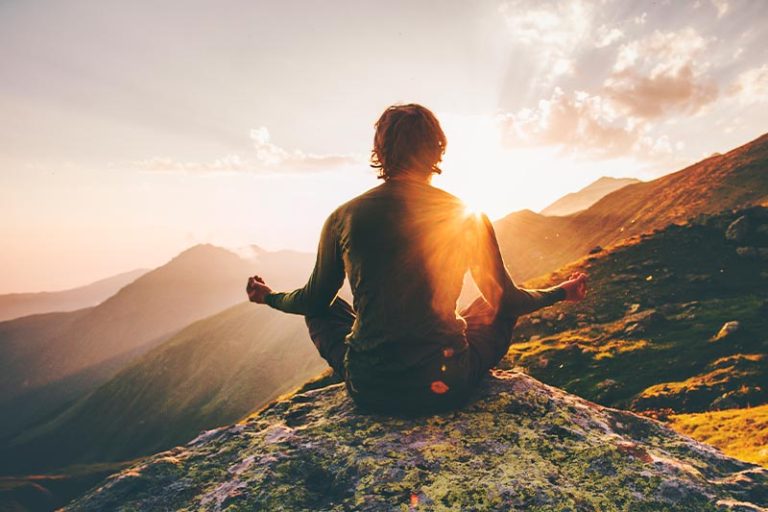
740, 433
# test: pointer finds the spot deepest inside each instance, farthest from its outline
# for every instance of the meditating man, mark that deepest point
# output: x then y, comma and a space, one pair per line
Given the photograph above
405, 247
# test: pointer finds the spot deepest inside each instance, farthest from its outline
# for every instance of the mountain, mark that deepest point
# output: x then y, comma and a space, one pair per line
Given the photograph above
211, 373
15, 305
587, 196
675, 322
48, 360
520, 445
534, 244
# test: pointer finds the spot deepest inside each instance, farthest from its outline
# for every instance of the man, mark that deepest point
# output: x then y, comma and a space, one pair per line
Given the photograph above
405, 247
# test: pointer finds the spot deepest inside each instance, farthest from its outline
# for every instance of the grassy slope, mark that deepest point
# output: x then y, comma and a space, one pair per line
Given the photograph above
740, 433
209, 374
694, 280
643, 339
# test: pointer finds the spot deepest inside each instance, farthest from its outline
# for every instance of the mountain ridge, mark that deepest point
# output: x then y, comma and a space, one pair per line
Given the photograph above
19, 304
88, 346
533, 245
586, 196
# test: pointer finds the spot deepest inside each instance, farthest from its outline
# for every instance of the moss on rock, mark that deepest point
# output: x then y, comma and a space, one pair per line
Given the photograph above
520, 445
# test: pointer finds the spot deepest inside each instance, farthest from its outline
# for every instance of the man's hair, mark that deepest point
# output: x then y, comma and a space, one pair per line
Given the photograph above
408, 137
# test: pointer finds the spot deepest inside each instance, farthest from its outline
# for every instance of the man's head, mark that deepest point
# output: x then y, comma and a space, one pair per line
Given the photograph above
408, 139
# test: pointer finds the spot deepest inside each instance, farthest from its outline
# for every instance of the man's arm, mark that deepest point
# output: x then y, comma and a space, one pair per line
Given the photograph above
324, 283
493, 280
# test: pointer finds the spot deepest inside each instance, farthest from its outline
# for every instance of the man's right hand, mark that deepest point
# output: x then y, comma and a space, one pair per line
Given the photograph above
575, 287
257, 289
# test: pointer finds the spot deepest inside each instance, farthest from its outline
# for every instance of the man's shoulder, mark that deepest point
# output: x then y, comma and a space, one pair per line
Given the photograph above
361, 198
447, 195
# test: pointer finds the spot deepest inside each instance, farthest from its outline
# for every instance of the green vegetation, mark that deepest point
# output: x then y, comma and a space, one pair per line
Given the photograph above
646, 338
212, 373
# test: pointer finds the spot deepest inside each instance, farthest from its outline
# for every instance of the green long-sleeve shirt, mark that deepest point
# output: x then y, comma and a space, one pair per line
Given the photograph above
405, 247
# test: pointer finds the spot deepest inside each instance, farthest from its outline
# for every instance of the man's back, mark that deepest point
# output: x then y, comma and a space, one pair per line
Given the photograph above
404, 246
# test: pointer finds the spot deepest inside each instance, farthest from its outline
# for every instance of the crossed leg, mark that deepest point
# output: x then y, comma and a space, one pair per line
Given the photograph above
488, 335
329, 330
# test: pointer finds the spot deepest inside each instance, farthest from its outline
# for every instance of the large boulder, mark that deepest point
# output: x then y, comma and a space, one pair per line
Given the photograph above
520, 445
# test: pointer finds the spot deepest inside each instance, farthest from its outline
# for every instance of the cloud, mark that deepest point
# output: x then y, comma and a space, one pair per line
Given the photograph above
751, 86
265, 157
661, 73
721, 6
583, 123
163, 164
607, 36
556, 33
269, 155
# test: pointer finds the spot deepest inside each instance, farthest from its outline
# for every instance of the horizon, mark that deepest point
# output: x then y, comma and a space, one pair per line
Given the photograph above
140, 131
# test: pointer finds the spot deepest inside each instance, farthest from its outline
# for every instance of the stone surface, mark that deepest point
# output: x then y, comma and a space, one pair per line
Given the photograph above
520, 445
727, 329
737, 230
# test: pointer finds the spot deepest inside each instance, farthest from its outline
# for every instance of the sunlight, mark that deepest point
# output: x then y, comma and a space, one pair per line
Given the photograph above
497, 180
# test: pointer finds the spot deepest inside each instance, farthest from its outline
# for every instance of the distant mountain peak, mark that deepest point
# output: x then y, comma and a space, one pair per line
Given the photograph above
520, 445
587, 196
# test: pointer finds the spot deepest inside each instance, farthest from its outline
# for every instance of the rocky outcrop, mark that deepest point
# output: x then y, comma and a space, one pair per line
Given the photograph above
519, 445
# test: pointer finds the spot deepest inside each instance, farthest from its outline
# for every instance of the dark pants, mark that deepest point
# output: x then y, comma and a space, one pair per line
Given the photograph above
447, 378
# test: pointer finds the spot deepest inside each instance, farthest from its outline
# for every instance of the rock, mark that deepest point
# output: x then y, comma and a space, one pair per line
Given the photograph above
725, 401
607, 384
746, 252
726, 330
518, 445
737, 230
596, 249
644, 321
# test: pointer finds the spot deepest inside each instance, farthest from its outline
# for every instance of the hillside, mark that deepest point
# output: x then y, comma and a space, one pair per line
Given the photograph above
211, 373
49, 360
535, 244
15, 305
521, 445
651, 335
587, 196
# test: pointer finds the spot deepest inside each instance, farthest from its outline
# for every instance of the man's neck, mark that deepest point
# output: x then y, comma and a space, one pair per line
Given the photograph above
413, 178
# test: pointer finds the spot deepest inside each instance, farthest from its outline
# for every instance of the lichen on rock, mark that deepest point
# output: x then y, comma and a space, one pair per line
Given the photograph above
519, 445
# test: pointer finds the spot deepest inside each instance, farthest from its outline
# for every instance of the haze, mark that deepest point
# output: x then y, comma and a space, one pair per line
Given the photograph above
134, 130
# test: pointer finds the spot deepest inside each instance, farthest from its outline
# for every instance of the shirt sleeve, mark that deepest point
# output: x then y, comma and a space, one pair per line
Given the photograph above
493, 280
324, 283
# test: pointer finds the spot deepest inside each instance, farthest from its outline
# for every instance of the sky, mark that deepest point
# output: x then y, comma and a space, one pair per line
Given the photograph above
134, 130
